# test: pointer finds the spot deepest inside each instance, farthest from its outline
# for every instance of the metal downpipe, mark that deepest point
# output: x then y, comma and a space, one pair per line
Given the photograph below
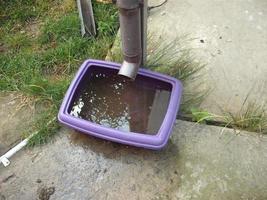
130, 26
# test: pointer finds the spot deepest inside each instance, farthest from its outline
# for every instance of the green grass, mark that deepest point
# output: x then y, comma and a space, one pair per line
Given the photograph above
61, 30
17, 41
43, 65
17, 11
46, 126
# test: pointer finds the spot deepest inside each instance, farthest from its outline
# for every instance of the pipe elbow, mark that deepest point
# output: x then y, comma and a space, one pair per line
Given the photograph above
129, 69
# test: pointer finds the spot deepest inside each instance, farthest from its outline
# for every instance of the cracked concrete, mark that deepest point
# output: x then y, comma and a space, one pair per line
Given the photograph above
199, 162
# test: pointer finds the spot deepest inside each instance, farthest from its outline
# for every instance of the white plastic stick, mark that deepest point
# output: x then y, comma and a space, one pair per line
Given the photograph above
4, 159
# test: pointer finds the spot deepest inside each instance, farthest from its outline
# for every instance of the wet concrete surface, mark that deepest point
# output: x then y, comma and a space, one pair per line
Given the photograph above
199, 162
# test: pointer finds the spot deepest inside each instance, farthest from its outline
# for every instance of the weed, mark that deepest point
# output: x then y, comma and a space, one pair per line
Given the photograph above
175, 58
202, 116
251, 117
46, 127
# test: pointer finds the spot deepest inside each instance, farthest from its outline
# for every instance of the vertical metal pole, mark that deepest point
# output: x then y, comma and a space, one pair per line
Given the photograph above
87, 17
144, 9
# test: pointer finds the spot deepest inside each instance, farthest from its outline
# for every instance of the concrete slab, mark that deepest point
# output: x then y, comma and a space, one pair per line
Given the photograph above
15, 118
230, 36
200, 162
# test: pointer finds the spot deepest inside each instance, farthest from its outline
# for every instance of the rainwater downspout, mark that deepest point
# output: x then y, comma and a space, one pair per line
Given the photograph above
133, 15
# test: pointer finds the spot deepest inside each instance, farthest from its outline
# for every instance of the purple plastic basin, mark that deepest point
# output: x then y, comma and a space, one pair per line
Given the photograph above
156, 141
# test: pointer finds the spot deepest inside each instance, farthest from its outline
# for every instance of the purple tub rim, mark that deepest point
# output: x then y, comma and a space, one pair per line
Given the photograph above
155, 142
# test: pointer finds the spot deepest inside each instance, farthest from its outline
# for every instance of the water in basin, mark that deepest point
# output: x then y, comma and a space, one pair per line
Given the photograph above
116, 102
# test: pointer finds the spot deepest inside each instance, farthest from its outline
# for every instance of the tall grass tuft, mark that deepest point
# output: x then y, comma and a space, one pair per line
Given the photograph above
174, 58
